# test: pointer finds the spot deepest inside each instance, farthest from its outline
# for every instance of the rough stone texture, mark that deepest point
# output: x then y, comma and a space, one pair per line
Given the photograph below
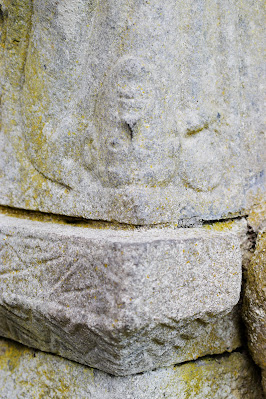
142, 112
122, 301
245, 234
25, 373
138, 112
263, 373
254, 309
257, 216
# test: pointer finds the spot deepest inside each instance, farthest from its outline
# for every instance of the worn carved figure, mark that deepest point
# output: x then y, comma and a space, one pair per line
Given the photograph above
134, 147
141, 104
129, 137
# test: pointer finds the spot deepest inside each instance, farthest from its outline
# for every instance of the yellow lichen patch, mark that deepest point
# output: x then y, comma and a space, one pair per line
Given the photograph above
17, 34
11, 354
33, 374
66, 220
220, 226
257, 214
195, 376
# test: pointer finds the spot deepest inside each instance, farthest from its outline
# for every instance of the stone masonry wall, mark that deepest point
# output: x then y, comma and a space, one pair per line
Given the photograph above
132, 199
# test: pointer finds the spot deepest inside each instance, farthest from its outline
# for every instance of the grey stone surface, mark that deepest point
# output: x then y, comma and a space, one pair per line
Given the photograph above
245, 234
135, 111
254, 306
257, 216
25, 373
122, 301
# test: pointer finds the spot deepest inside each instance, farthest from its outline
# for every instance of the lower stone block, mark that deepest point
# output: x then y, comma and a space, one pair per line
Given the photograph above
25, 373
123, 301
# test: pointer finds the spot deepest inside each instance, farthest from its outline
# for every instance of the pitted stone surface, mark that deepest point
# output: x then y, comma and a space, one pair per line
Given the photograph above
135, 111
122, 301
254, 309
25, 373
257, 216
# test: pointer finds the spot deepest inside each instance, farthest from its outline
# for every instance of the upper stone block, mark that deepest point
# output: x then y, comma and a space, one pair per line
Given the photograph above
135, 111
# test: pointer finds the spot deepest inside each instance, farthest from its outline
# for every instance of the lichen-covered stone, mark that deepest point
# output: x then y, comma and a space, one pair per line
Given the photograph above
123, 301
143, 112
244, 232
257, 216
263, 374
25, 373
254, 309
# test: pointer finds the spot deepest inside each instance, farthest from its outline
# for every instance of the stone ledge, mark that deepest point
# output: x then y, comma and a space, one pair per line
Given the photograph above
120, 301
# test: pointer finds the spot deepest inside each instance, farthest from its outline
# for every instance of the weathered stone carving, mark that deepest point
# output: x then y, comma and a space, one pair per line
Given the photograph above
134, 147
139, 112
196, 168
121, 301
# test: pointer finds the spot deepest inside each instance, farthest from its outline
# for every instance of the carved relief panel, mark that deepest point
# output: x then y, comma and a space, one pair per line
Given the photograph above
131, 111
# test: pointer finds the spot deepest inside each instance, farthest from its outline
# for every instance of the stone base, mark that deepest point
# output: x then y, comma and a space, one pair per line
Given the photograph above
25, 373
122, 301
